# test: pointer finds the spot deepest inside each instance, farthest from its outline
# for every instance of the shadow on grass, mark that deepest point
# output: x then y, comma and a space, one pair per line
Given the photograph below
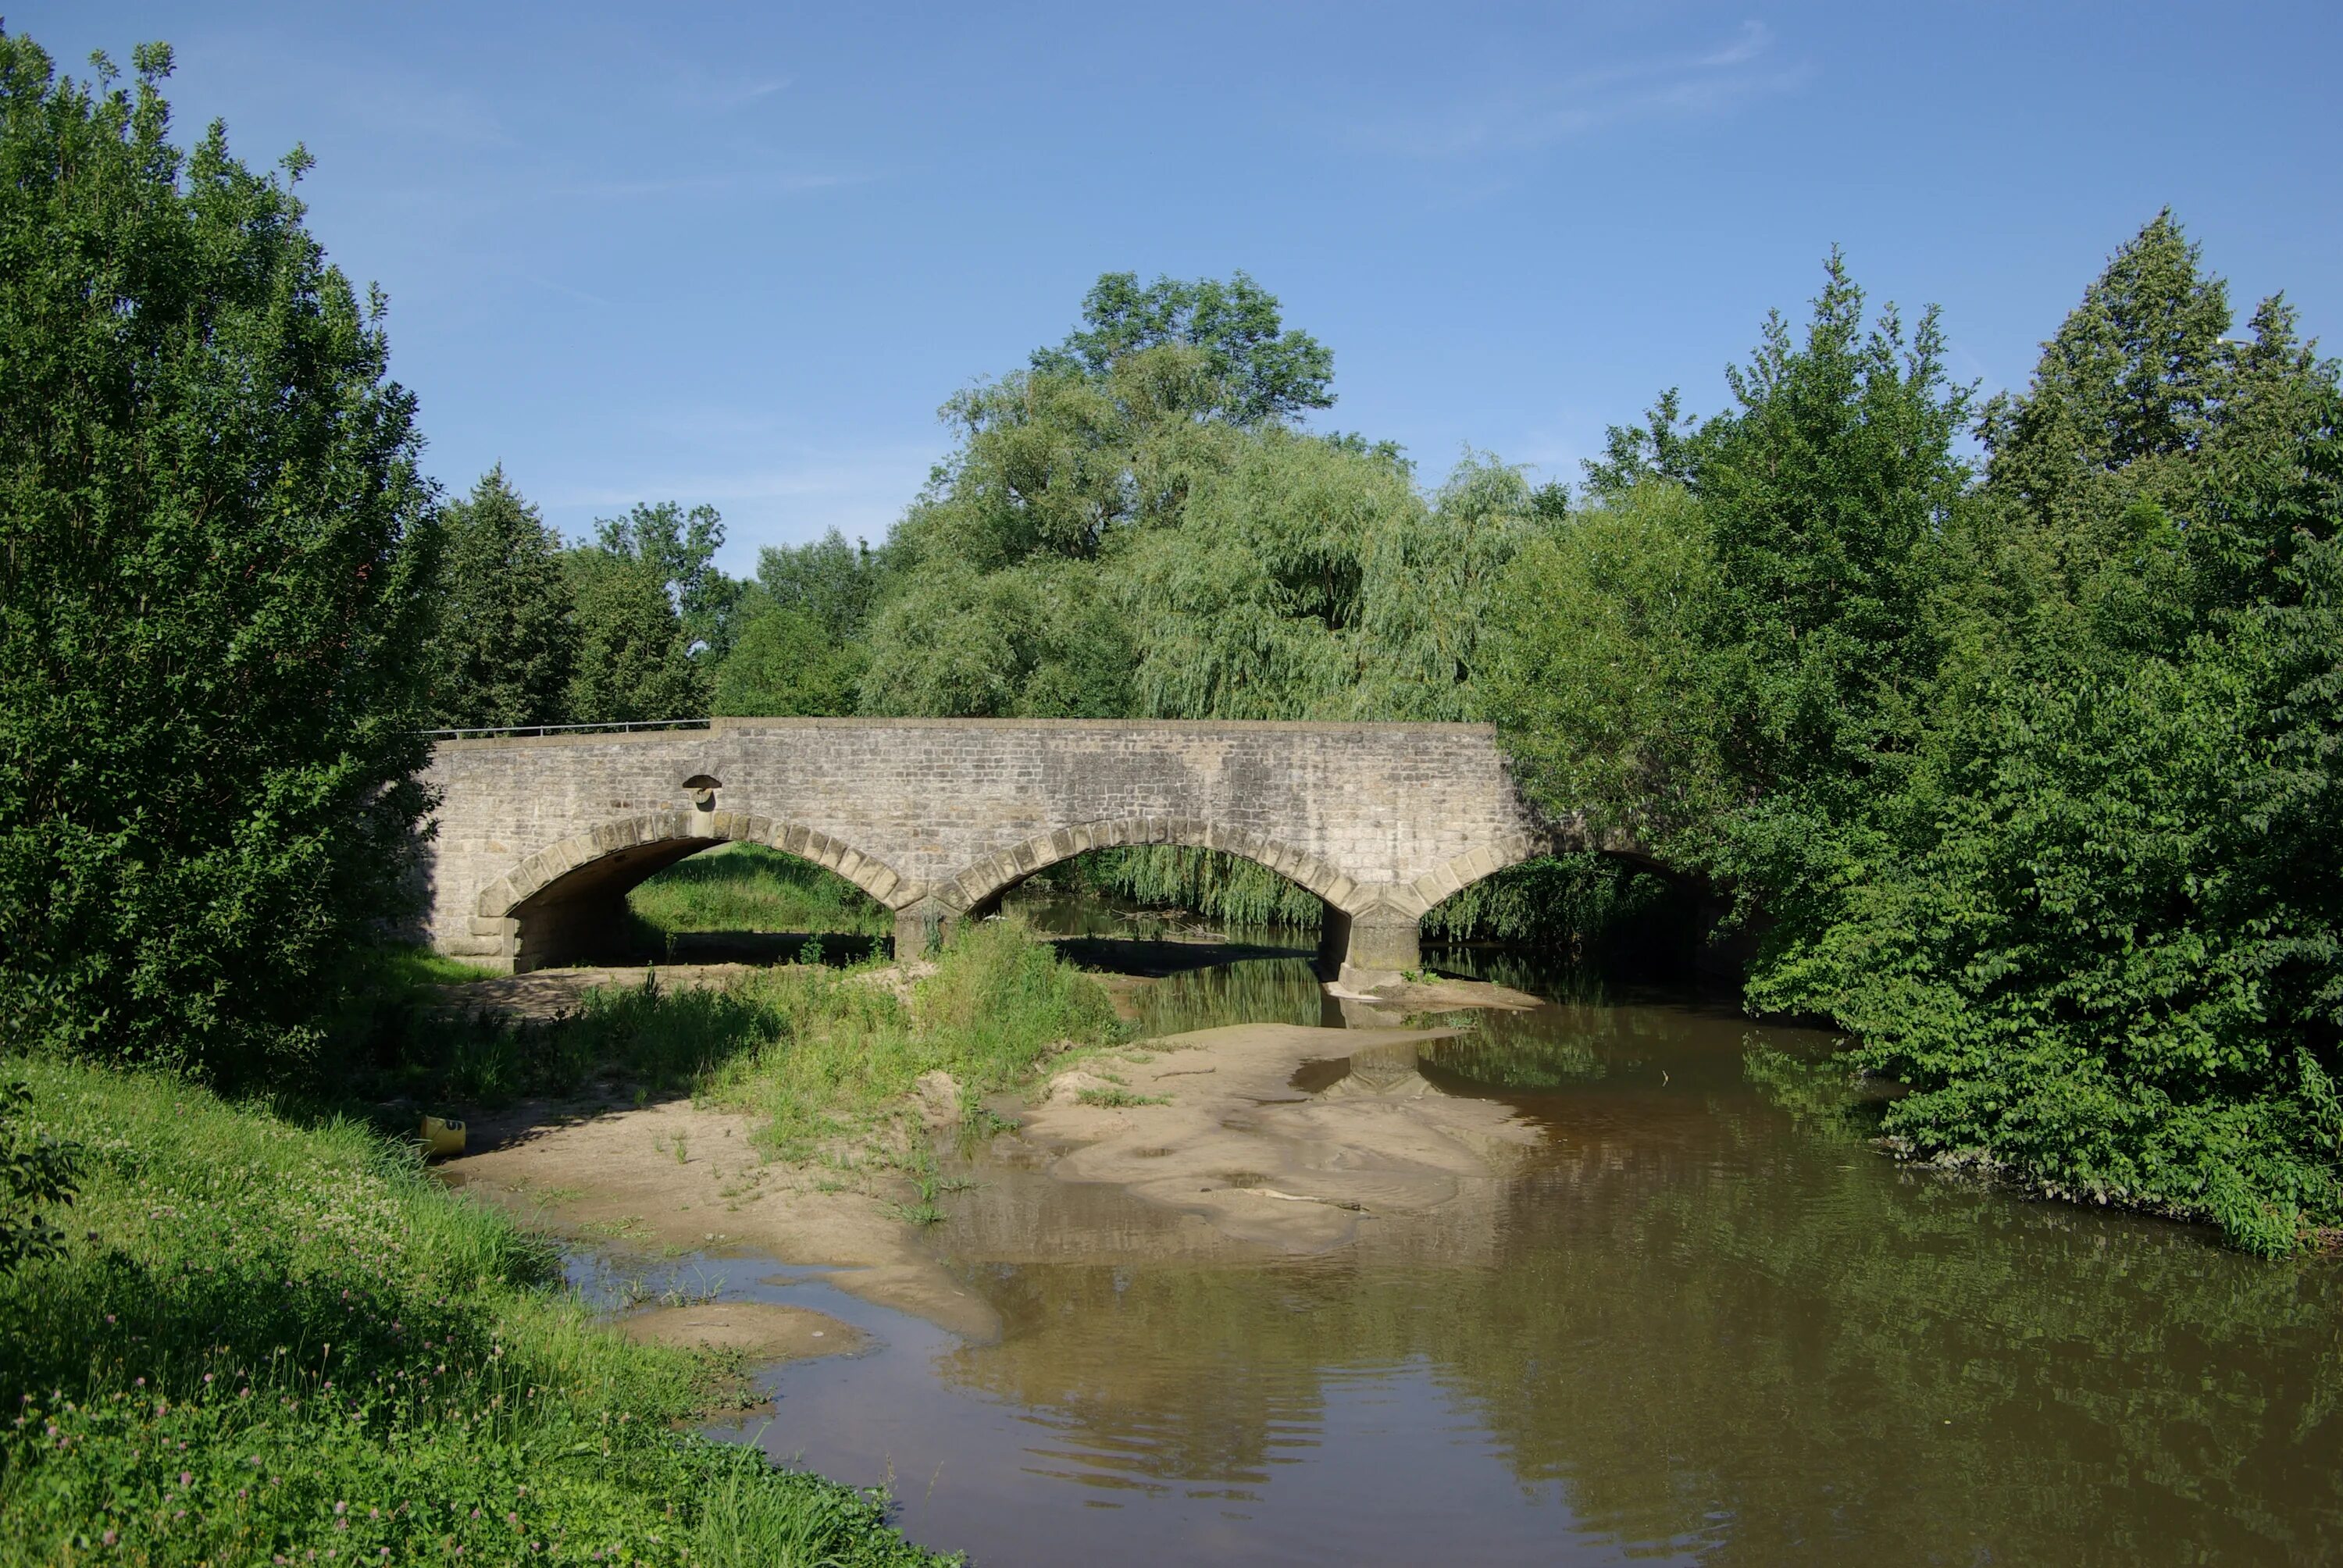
271, 1341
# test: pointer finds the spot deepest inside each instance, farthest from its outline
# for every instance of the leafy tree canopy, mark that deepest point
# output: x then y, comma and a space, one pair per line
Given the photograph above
831, 583
214, 548
634, 659
2035, 780
1256, 369
786, 664
679, 549
503, 643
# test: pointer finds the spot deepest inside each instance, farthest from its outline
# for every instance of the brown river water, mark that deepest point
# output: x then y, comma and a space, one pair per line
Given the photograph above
1693, 1320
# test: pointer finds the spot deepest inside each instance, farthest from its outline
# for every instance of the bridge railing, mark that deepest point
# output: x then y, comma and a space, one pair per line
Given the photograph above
620, 726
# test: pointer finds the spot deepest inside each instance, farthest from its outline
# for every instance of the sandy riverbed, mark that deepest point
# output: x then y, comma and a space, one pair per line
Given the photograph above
1209, 1125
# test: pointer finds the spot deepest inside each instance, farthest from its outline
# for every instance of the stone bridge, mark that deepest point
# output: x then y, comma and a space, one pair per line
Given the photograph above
539, 837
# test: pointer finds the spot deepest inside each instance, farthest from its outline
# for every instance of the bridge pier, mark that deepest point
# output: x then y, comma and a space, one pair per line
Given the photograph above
920, 928
1369, 948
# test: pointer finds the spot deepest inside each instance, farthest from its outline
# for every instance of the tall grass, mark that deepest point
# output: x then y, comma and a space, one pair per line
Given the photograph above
820, 1053
841, 1053
750, 888
274, 1343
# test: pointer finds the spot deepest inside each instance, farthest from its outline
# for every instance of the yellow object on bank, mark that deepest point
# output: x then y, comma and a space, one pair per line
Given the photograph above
442, 1137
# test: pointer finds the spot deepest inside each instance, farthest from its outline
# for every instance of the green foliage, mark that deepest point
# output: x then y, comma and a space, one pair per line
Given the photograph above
750, 888
784, 665
653, 617
679, 549
1601, 674
2098, 933
287, 1340
1040, 639
1824, 494
830, 583
1311, 581
1007, 582
35, 1171
1571, 904
633, 659
214, 547
2036, 780
1225, 887
1260, 373
502, 642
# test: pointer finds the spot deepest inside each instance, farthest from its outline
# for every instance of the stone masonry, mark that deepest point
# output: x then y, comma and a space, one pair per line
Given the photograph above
537, 839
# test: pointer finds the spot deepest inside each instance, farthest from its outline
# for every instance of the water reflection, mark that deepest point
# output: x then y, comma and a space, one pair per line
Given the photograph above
1692, 1326
1268, 990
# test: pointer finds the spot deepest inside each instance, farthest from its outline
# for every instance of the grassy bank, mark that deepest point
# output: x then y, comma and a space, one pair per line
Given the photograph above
276, 1342
750, 888
827, 1055
822, 1054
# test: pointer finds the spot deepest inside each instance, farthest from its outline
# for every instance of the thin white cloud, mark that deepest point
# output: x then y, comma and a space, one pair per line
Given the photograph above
1752, 41
550, 286
762, 90
715, 182
1690, 85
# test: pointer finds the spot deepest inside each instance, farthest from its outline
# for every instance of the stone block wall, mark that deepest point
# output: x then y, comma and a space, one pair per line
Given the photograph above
537, 837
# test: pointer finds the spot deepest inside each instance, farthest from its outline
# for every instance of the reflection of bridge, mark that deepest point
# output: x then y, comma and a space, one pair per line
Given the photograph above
539, 837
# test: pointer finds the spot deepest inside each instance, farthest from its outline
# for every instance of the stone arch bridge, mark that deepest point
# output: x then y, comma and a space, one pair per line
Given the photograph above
537, 838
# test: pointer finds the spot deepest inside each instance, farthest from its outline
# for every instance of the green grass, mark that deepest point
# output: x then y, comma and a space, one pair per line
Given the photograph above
274, 1343
750, 888
823, 1055
838, 1056
1116, 1099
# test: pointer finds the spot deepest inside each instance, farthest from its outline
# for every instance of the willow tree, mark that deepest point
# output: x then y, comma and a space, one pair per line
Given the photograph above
1005, 573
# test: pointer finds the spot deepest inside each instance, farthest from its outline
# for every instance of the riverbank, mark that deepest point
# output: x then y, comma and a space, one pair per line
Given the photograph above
275, 1338
779, 1151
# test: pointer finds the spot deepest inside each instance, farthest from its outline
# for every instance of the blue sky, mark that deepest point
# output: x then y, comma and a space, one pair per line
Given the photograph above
740, 255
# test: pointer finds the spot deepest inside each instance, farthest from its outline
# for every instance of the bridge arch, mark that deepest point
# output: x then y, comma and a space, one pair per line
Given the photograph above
569, 899
978, 887
1370, 929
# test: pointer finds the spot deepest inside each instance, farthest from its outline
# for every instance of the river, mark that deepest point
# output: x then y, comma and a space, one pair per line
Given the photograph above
1698, 1318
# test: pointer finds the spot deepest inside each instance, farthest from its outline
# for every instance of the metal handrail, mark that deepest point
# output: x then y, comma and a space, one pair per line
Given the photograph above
620, 725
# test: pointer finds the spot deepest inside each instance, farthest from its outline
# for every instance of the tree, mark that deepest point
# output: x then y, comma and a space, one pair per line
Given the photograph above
214, 547
1311, 581
1601, 673
503, 642
1827, 493
680, 549
2097, 925
783, 664
1260, 371
831, 583
1044, 639
1730, 643
633, 659
1060, 467
654, 618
